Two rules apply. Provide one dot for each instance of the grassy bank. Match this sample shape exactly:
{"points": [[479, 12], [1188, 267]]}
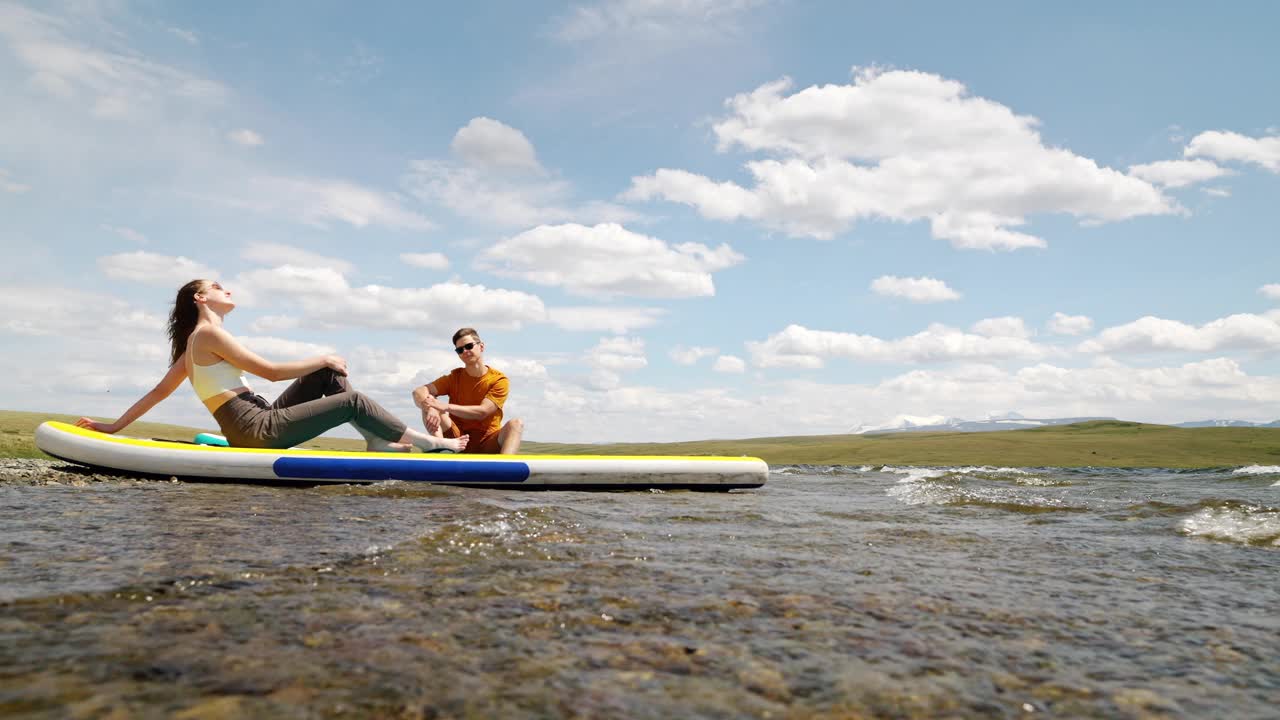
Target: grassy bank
{"points": [[1100, 443]]}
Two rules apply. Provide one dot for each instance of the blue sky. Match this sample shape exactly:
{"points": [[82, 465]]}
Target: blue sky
{"points": [[669, 219]]}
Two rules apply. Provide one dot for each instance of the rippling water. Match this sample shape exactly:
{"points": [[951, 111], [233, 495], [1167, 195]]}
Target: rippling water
{"points": [[872, 591]]}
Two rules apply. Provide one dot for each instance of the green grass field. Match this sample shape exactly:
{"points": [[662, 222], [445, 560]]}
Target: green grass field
{"points": [[1099, 443]]}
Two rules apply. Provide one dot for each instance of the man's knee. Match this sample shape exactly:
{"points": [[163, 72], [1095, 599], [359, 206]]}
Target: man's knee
{"points": [[514, 425]]}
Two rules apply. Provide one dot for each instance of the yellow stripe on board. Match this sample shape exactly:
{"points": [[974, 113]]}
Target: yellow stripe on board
{"points": [[451, 457]]}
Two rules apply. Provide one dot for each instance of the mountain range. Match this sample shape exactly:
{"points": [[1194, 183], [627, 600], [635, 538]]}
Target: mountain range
{"points": [[1010, 421]]}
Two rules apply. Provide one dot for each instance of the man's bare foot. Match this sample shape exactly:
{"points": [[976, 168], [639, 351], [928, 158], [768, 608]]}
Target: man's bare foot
{"points": [[455, 444]]}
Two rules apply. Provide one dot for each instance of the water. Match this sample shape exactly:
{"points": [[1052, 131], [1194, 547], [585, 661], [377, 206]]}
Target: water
{"points": [[860, 592]]}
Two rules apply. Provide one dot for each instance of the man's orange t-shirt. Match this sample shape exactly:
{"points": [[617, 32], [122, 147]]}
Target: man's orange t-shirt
{"points": [[463, 389]]}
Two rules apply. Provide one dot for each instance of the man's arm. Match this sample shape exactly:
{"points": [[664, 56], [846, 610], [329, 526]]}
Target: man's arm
{"points": [[486, 408]]}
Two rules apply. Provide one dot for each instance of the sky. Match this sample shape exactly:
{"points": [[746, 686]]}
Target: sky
{"points": [[668, 219]]}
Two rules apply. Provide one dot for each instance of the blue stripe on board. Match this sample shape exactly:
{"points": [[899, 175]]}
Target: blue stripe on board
{"points": [[401, 469]]}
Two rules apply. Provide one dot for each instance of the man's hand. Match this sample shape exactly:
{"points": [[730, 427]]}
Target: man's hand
{"points": [[432, 402], [432, 421]]}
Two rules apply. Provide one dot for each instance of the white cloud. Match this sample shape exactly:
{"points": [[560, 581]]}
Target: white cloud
{"points": [[617, 354], [488, 144], [62, 312], [1178, 173], [1012, 327], [274, 348], [729, 364], [11, 186], [276, 254], [320, 202], [1217, 191], [499, 181], [798, 346], [480, 194], [608, 260], [326, 300], [921, 289], [108, 84], [1271, 291], [274, 323], [427, 261], [245, 137], [596, 318], [1230, 146], [1064, 324], [668, 21], [690, 355], [903, 146], [187, 36], [129, 234], [154, 269], [1153, 334]]}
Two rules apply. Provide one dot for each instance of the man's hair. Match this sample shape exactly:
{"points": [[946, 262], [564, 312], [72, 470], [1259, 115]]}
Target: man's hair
{"points": [[463, 332]]}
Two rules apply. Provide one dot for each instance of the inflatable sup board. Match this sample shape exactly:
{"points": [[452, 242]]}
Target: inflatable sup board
{"points": [[533, 472]]}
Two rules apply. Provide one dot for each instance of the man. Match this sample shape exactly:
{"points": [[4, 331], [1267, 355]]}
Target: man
{"points": [[476, 394]]}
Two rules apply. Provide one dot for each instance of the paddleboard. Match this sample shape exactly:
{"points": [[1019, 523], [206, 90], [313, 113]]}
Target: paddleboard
{"points": [[295, 466]]}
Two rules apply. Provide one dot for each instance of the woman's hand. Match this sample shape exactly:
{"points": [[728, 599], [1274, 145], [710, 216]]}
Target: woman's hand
{"points": [[336, 363], [91, 424]]}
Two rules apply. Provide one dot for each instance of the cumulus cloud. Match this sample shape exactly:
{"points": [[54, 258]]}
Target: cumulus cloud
{"points": [[905, 146], [1234, 147], [498, 180], [1152, 334], [154, 269], [1270, 291], [245, 137], [729, 364], [618, 354], [596, 318], [1012, 327], [798, 346], [277, 254], [1064, 324], [690, 355], [427, 261], [921, 289], [1178, 173], [608, 260], [326, 300], [43, 311], [489, 144]]}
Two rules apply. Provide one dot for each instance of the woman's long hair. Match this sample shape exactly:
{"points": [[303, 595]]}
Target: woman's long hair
{"points": [[183, 317]]}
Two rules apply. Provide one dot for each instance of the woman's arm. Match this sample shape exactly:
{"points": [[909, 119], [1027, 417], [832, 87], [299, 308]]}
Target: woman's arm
{"points": [[221, 343], [170, 382]]}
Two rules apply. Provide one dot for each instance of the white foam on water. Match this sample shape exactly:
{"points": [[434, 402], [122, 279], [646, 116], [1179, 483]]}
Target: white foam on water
{"points": [[1249, 524], [1257, 470]]}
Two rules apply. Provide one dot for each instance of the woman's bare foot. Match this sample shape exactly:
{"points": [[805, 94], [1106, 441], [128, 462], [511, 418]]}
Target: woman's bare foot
{"points": [[380, 445]]}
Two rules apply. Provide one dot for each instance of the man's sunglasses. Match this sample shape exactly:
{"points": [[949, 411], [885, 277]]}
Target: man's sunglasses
{"points": [[463, 348]]}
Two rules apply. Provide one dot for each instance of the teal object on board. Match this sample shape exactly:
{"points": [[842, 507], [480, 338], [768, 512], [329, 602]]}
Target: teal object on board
{"points": [[211, 439]]}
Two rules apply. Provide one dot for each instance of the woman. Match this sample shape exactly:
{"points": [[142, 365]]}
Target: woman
{"points": [[319, 399]]}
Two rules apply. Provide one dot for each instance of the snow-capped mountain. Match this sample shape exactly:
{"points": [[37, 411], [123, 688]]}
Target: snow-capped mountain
{"points": [[942, 423], [1226, 423]]}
